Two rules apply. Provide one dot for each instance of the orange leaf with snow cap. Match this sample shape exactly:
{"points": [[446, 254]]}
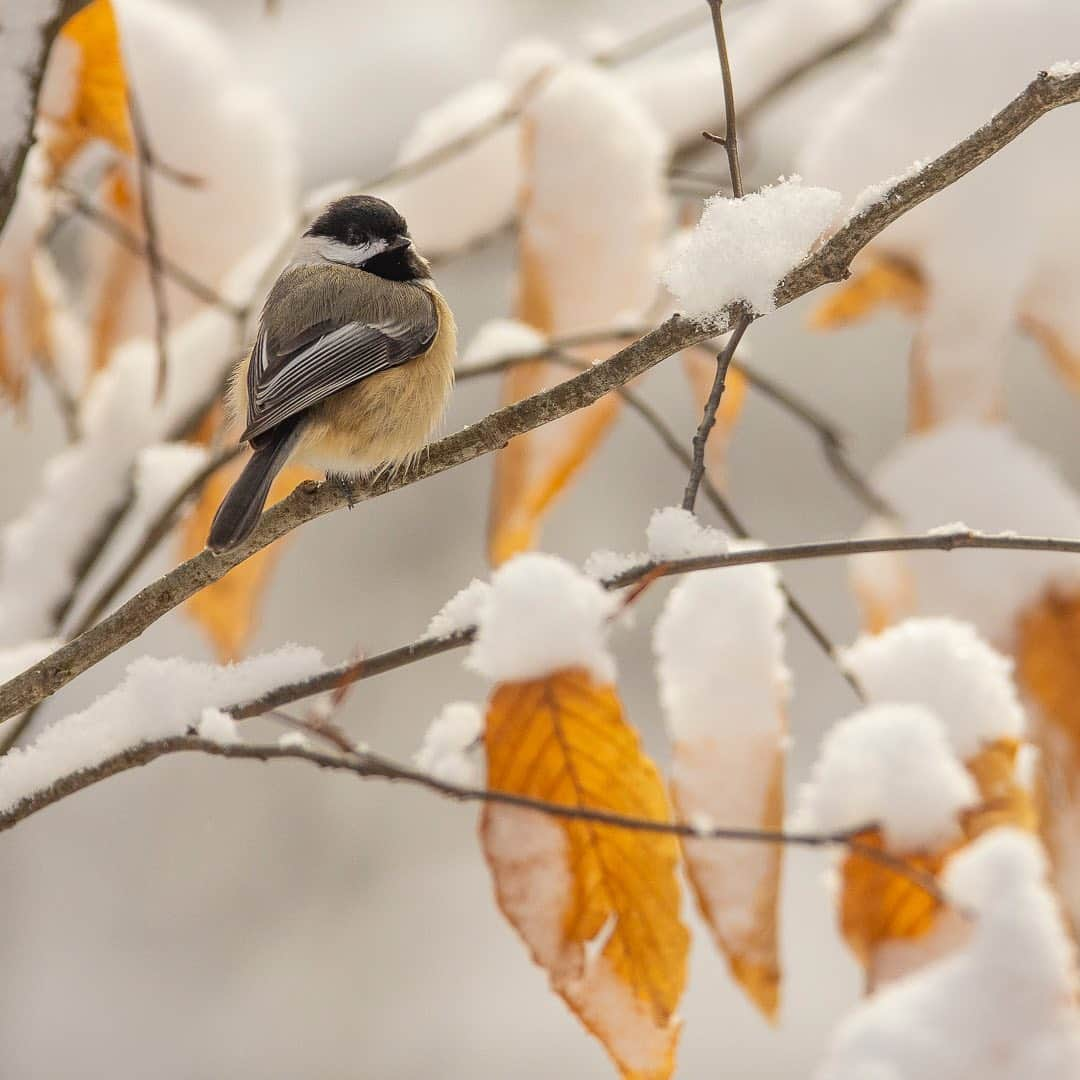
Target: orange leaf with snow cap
{"points": [[942, 667], [597, 906], [728, 726], [592, 218]]}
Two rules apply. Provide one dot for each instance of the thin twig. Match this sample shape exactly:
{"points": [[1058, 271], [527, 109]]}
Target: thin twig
{"points": [[718, 501], [66, 405], [708, 418], [367, 765], [423, 648], [730, 143], [119, 231], [156, 531], [829, 263], [833, 440], [144, 157]]}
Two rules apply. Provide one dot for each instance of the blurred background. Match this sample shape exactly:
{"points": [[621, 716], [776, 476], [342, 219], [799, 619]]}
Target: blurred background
{"points": [[204, 919]]}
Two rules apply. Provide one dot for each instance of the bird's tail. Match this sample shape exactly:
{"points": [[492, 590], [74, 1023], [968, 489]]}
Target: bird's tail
{"points": [[241, 508]]}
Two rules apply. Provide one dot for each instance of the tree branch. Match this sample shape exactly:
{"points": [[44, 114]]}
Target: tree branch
{"points": [[828, 264], [367, 765], [380, 663], [730, 143]]}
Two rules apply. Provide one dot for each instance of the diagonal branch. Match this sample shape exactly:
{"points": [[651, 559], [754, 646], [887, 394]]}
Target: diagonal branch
{"points": [[828, 264], [367, 765], [422, 649]]}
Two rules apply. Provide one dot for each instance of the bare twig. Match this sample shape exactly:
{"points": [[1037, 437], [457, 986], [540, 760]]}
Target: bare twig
{"points": [[119, 231], [155, 533], [381, 663], [144, 158], [708, 418], [712, 493], [730, 143], [367, 765], [828, 264], [833, 440]]}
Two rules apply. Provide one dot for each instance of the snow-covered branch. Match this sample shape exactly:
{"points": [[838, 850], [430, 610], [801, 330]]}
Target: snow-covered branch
{"points": [[214, 735], [828, 264]]}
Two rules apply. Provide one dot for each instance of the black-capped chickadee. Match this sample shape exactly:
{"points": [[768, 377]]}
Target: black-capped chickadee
{"points": [[353, 362]]}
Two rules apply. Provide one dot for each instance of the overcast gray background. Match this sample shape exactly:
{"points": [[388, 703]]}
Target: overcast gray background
{"points": [[206, 919]]}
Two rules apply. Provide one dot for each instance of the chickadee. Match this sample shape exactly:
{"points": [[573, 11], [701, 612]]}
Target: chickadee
{"points": [[353, 362]]}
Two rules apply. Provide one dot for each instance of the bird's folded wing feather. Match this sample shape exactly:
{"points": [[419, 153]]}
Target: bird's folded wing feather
{"points": [[289, 373]]}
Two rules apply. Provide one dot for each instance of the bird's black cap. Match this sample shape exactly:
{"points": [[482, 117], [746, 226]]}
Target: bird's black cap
{"points": [[356, 219]]}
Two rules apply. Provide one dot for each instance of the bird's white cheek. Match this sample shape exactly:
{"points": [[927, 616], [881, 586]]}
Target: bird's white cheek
{"points": [[352, 254]]}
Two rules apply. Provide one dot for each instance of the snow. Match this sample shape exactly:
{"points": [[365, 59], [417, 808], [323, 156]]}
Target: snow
{"points": [[889, 765], [542, 615], [674, 533], [217, 726], [160, 472], [605, 564], [461, 611], [1001, 1007], [720, 655], [451, 750], [1063, 69], [475, 191], [742, 248], [294, 740], [724, 689], [157, 699], [498, 339], [949, 67], [945, 666], [986, 476], [595, 182], [207, 118], [18, 658], [40, 549], [20, 44]]}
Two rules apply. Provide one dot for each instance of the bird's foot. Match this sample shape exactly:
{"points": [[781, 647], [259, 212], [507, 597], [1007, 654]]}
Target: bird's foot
{"points": [[344, 484]]}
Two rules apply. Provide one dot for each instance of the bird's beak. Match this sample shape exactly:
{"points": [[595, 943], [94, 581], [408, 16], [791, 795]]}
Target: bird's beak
{"points": [[398, 243]]}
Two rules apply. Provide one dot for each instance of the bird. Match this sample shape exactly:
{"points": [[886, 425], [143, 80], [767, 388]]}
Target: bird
{"points": [[353, 360]]}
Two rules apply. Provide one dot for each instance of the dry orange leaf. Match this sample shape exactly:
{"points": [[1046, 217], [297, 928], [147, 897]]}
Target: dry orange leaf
{"points": [[227, 609], [581, 266], [598, 907], [97, 107], [892, 924], [533, 469], [880, 280], [878, 904], [1048, 671], [743, 921]]}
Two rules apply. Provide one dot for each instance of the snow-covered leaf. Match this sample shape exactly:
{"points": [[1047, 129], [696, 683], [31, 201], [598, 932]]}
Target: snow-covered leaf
{"points": [[999, 250], [724, 688], [593, 212]]}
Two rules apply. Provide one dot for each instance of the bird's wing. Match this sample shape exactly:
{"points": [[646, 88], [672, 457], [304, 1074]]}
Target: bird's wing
{"points": [[290, 373]]}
